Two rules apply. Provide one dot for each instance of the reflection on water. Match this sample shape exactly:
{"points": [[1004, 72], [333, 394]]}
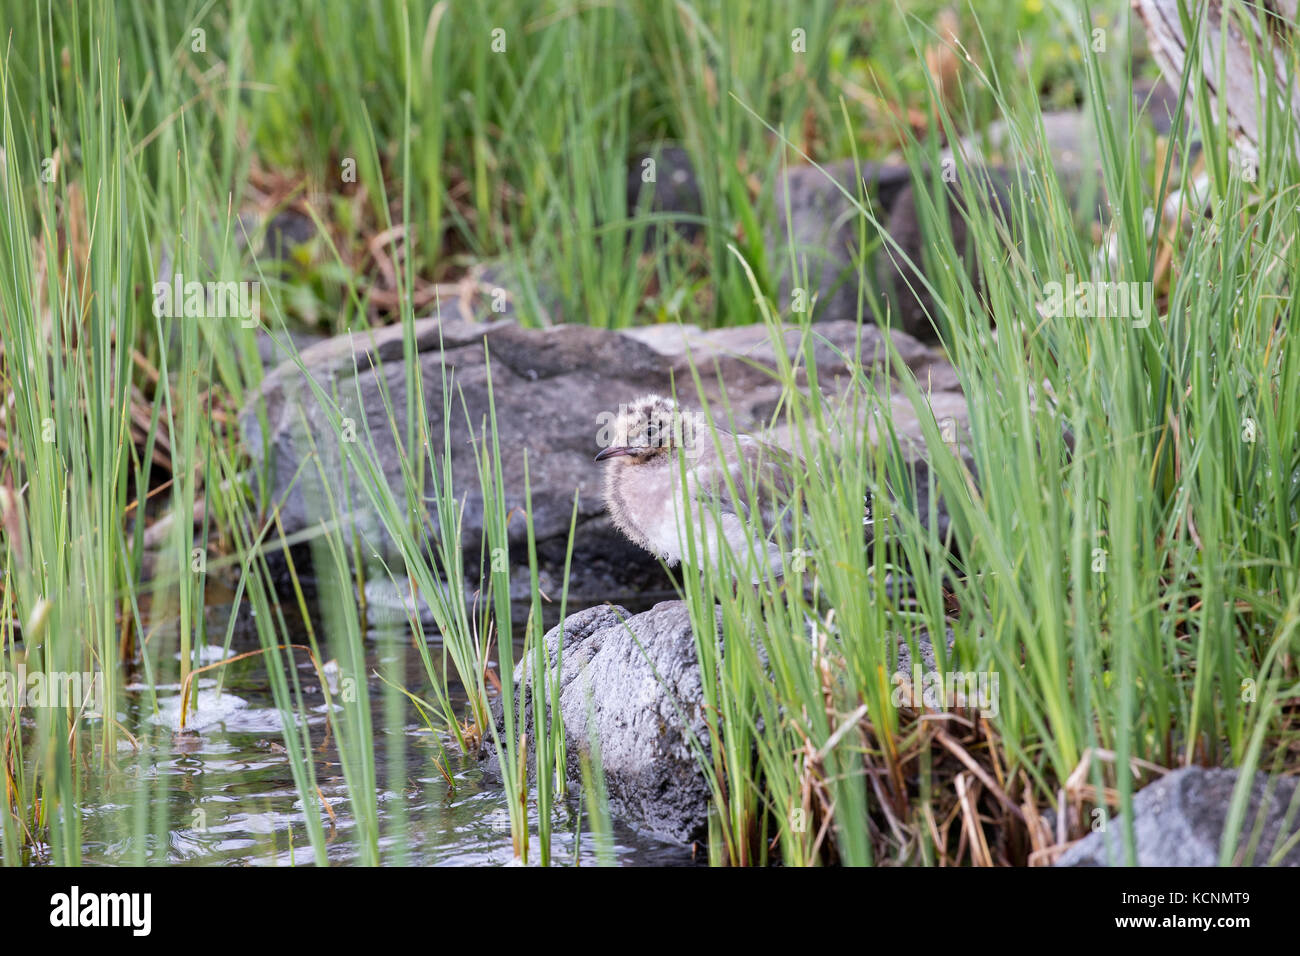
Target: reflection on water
{"points": [[223, 791]]}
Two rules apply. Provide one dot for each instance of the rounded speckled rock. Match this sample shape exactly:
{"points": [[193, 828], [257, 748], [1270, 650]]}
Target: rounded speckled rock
{"points": [[629, 683]]}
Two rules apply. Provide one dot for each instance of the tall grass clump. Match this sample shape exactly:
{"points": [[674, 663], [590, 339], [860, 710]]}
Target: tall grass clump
{"points": [[1121, 557], [1139, 567], [121, 126], [471, 613], [103, 393]]}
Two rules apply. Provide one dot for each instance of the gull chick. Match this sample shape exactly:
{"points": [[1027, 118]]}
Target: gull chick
{"points": [[643, 486]]}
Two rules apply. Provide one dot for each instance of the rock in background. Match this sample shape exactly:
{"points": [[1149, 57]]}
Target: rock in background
{"points": [[822, 228], [912, 304], [674, 194]]}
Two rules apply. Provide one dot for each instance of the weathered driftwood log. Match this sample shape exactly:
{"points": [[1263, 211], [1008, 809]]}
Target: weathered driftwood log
{"points": [[1245, 54]]}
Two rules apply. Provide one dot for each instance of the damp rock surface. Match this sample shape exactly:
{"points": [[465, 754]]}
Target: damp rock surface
{"points": [[630, 694]]}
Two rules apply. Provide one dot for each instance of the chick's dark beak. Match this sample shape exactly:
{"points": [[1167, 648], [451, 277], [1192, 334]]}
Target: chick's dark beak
{"points": [[613, 451]]}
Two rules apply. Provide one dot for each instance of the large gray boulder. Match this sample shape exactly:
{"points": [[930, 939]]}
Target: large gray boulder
{"points": [[1179, 821], [551, 387], [630, 685]]}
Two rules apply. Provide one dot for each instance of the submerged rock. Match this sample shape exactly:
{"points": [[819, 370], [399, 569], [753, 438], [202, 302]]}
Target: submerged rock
{"points": [[630, 690], [1179, 821], [213, 709]]}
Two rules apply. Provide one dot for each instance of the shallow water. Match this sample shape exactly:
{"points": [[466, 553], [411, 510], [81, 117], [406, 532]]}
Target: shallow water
{"points": [[223, 791]]}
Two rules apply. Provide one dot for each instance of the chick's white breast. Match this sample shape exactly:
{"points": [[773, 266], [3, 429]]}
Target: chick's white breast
{"points": [[648, 508]]}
